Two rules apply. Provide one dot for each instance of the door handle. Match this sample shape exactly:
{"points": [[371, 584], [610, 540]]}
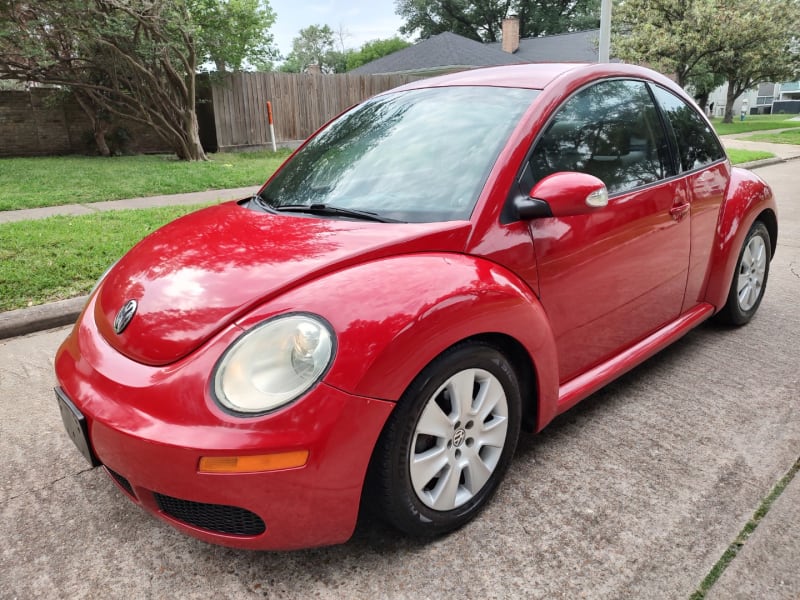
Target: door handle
{"points": [[679, 211]]}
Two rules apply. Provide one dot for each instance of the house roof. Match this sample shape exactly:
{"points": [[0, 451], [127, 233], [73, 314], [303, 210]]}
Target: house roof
{"points": [[451, 52], [445, 51], [579, 46]]}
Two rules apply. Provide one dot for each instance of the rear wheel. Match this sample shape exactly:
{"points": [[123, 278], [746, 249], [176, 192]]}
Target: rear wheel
{"points": [[448, 442], [749, 279]]}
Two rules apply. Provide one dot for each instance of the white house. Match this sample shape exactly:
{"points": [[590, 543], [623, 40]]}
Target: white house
{"points": [[766, 98]]}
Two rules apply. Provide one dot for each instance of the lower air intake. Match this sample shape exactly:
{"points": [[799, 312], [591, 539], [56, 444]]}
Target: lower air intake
{"points": [[217, 518], [124, 483]]}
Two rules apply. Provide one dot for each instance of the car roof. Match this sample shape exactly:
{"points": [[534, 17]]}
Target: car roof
{"points": [[535, 76]]}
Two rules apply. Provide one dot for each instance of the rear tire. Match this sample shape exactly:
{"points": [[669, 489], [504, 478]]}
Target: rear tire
{"points": [[749, 278], [448, 442]]}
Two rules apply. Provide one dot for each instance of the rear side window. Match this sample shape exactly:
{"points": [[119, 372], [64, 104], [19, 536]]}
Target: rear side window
{"points": [[697, 144], [610, 130]]}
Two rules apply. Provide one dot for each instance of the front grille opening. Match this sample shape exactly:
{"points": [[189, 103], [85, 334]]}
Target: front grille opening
{"points": [[124, 483], [217, 518]]}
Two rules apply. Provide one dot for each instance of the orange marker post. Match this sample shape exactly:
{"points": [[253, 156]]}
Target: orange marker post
{"points": [[271, 126]]}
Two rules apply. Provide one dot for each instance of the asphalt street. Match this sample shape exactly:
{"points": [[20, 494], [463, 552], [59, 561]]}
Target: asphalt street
{"points": [[635, 493]]}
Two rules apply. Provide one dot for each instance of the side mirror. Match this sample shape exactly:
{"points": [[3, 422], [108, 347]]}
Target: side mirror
{"points": [[566, 194]]}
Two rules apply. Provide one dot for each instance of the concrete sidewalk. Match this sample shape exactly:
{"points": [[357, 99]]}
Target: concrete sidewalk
{"points": [[207, 196], [781, 151]]}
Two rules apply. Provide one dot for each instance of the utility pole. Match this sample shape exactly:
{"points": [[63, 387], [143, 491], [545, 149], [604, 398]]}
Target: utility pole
{"points": [[605, 31]]}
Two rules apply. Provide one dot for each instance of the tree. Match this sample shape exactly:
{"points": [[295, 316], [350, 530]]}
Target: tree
{"points": [[235, 33], [374, 50], [671, 36], [745, 42], [765, 48], [133, 59], [320, 45], [481, 20], [313, 46]]}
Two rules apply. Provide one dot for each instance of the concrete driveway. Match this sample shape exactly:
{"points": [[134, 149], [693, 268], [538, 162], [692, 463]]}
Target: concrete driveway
{"points": [[635, 493]]}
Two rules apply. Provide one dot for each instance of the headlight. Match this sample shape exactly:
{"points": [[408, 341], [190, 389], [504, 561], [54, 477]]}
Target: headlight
{"points": [[273, 363]]}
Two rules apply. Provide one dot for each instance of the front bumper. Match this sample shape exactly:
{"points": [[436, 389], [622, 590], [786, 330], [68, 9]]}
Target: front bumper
{"points": [[149, 427]]}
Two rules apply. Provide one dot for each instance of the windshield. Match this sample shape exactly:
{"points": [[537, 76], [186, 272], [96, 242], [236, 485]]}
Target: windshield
{"points": [[415, 156]]}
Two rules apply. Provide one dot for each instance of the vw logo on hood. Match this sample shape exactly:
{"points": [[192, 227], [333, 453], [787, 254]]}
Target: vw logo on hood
{"points": [[125, 315]]}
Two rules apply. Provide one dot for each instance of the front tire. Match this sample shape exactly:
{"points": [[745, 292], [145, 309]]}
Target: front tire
{"points": [[749, 279], [448, 443]]}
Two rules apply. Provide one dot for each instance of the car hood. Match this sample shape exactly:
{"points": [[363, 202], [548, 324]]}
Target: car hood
{"points": [[200, 273]]}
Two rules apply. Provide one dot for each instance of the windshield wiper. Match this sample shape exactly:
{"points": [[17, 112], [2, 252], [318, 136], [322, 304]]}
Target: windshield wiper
{"points": [[263, 201], [337, 211]]}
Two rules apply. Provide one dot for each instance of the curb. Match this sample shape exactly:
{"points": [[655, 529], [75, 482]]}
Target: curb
{"points": [[764, 162], [22, 321]]}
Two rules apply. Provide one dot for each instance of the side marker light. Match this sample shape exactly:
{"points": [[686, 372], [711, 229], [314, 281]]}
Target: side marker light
{"points": [[254, 463]]}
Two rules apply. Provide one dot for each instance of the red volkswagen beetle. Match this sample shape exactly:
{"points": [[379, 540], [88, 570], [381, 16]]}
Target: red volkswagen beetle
{"points": [[435, 270]]}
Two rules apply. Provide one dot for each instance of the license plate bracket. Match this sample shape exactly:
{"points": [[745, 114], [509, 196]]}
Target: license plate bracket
{"points": [[76, 426]]}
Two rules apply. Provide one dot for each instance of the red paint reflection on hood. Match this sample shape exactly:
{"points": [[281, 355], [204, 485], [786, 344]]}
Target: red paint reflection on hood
{"points": [[196, 275]]}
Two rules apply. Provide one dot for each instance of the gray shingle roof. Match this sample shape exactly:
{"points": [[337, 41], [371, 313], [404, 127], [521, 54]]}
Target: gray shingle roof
{"points": [[580, 46], [440, 52]]}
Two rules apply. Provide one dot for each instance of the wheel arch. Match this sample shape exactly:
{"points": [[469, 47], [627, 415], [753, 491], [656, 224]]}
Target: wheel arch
{"points": [[508, 317], [525, 370], [770, 220], [748, 199]]}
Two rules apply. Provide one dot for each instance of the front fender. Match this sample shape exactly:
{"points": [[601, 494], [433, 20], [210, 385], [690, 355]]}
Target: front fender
{"points": [[393, 316], [748, 198]]}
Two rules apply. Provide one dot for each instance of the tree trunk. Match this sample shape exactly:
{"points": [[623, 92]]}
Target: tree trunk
{"points": [[702, 100], [100, 128], [681, 76], [190, 147], [730, 98], [191, 128], [100, 124], [195, 146]]}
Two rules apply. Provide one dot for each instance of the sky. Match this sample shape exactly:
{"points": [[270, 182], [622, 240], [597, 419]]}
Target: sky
{"points": [[362, 20]]}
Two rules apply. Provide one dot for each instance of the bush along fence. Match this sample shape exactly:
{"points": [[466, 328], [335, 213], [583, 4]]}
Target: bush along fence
{"points": [[44, 121]]}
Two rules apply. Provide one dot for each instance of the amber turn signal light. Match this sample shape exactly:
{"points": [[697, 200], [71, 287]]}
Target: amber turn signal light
{"points": [[253, 464]]}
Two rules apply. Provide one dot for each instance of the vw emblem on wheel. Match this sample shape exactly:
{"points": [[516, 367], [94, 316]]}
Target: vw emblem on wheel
{"points": [[458, 437], [125, 315]]}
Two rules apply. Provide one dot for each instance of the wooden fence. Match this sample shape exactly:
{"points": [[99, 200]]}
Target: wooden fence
{"points": [[232, 114], [301, 103]]}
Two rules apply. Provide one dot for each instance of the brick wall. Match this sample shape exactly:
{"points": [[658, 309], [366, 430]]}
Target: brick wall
{"points": [[35, 123]]}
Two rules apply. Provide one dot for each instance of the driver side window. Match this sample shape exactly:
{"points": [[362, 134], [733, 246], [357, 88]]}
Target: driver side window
{"points": [[610, 130]]}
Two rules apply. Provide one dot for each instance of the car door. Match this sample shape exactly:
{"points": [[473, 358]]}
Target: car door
{"points": [[611, 276], [701, 160]]}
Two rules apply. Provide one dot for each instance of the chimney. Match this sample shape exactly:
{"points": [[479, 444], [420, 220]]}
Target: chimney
{"points": [[314, 69], [511, 34]]}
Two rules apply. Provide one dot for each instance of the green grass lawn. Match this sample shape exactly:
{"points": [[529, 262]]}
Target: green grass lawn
{"points": [[52, 181], [743, 156], [61, 257], [754, 123], [784, 137]]}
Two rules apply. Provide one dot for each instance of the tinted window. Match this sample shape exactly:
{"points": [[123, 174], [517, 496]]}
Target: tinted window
{"points": [[610, 130], [420, 155], [697, 144]]}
